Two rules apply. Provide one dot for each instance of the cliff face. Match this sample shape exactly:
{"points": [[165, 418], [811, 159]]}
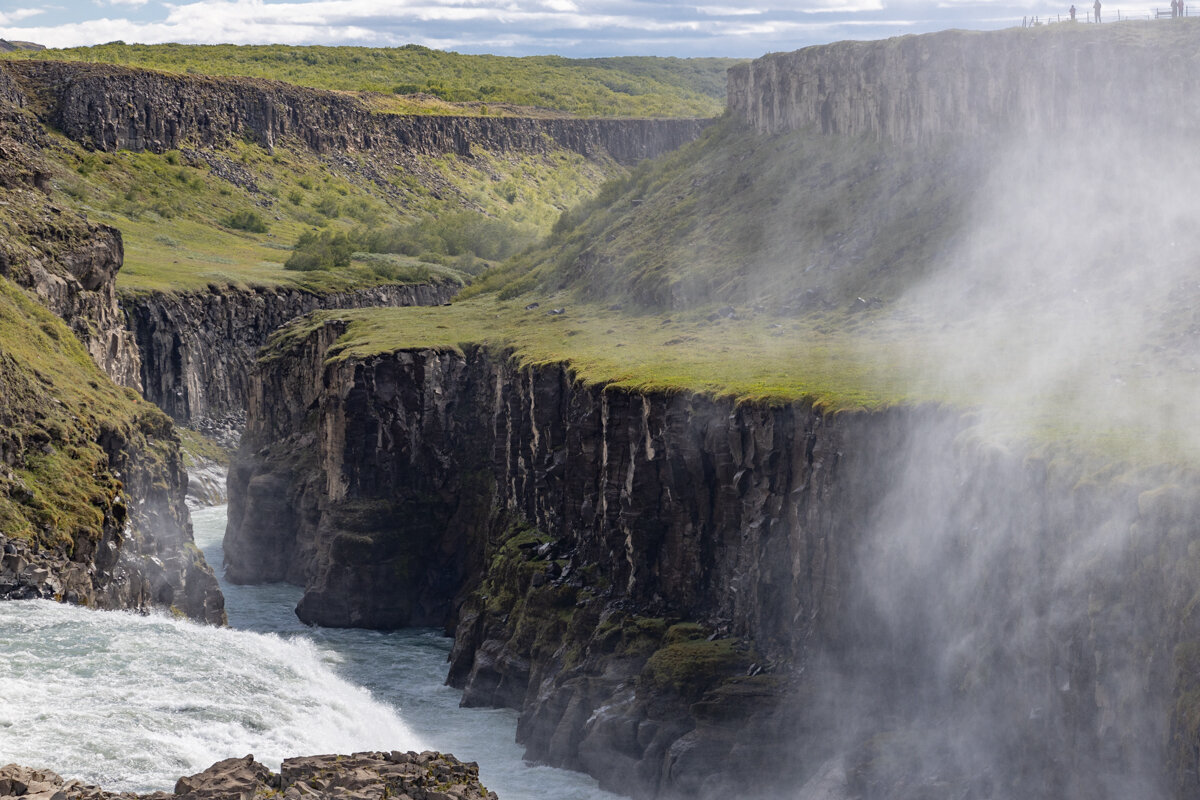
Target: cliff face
{"points": [[91, 480], [978, 84], [113, 108], [70, 263], [130, 544], [197, 348], [689, 597]]}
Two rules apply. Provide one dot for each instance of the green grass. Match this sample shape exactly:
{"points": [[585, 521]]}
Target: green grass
{"points": [[736, 217], [416, 79], [837, 361], [185, 226], [56, 403]]}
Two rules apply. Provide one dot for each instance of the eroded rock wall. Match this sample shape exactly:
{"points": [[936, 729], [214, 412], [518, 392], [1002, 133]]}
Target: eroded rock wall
{"points": [[67, 261], [1092, 79], [112, 108], [688, 597], [197, 347]]}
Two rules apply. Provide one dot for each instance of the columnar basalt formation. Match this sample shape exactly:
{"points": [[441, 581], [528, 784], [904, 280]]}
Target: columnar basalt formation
{"points": [[137, 552], [675, 591], [964, 83], [197, 347], [113, 108]]}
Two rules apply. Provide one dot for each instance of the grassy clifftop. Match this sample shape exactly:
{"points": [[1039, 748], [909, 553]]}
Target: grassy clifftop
{"points": [[417, 79], [1044, 280]]}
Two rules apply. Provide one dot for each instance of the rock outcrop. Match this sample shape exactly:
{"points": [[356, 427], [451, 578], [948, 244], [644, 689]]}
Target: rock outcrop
{"points": [[68, 262], [688, 597], [361, 776], [128, 543], [197, 347], [976, 84], [111, 108]]}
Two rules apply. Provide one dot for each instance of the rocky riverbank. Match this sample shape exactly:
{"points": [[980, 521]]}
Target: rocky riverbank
{"points": [[361, 776]]}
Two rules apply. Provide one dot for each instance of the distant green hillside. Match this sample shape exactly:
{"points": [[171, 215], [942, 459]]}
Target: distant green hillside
{"points": [[232, 214], [624, 87], [741, 218]]}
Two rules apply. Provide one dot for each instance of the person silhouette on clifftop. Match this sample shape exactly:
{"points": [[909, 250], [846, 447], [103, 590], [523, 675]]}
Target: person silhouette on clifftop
{"points": [[1096, 8], [1072, 13]]}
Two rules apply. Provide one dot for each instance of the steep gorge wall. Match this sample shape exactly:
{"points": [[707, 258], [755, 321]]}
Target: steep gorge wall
{"points": [[197, 347], [1051, 79], [691, 597], [132, 547], [67, 261], [113, 108]]}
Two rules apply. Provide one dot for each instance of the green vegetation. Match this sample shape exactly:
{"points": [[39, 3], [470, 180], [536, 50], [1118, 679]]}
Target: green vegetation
{"points": [[236, 213], [689, 663], [631, 86], [246, 221], [57, 405], [320, 250], [740, 218]]}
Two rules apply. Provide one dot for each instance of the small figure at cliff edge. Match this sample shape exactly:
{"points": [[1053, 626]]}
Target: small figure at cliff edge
{"points": [[1072, 13], [1096, 9]]}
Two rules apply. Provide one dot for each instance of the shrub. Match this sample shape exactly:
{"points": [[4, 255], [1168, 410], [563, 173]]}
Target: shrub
{"points": [[320, 250], [246, 221]]}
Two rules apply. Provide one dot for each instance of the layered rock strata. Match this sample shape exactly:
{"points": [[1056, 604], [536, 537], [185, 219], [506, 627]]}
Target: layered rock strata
{"points": [[979, 84], [197, 347], [685, 596], [111, 108], [361, 776], [68, 262]]}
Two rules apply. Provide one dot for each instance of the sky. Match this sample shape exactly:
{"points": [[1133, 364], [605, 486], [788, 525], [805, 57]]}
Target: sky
{"points": [[576, 28]]}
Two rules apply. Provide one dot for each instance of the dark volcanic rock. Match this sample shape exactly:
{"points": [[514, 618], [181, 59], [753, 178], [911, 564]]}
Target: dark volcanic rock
{"points": [[197, 347], [688, 597], [69, 263], [970, 83], [361, 776], [113, 108]]}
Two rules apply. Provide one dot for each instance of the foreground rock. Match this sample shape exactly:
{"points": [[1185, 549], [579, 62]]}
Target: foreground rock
{"points": [[361, 776]]}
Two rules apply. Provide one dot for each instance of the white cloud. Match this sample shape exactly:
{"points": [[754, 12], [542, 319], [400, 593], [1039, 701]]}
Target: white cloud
{"points": [[729, 11], [569, 27], [18, 14]]}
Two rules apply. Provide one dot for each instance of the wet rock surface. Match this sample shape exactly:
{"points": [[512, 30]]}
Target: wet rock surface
{"points": [[361, 776], [691, 597]]}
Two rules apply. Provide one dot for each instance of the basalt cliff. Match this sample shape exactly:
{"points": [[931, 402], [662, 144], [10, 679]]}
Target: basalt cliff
{"points": [[114, 107], [188, 351], [1060, 78], [93, 483], [688, 595], [675, 591], [197, 348]]}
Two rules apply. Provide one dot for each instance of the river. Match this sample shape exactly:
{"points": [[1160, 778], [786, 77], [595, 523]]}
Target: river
{"points": [[132, 702]]}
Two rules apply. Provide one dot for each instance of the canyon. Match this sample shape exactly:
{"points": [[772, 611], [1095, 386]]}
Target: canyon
{"points": [[682, 592], [668, 587]]}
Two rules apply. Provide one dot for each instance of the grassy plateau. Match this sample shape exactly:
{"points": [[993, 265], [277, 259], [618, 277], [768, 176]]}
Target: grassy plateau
{"points": [[415, 79]]}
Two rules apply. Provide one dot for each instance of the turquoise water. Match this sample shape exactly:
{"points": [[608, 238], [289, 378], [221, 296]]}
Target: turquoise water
{"points": [[132, 702]]}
